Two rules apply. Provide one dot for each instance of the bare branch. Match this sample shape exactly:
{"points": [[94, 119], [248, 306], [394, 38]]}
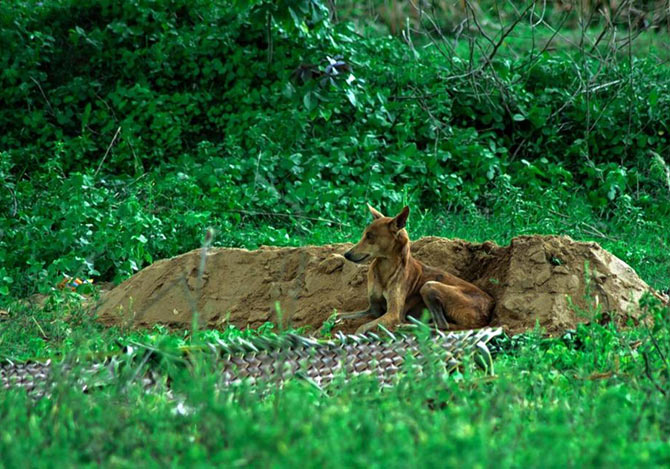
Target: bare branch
{"points": [[53, 113], [107, 152], [508, 31], [285, 215], [647, 371]]}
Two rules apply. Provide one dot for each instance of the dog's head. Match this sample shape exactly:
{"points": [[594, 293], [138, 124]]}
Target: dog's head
{"points": [[384, 237]]}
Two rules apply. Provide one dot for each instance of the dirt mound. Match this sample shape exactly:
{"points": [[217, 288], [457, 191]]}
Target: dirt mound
{"points": [[532, 280]]}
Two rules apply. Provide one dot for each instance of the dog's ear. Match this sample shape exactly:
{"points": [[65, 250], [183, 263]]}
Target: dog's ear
{"points": [[374, 212], [400, 220]]}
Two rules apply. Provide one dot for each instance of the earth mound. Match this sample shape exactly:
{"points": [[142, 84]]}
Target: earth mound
{"points": [[539, 279]]}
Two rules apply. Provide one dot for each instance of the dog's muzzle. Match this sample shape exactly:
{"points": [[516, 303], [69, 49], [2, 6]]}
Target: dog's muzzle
{"points": [[355, 258]]}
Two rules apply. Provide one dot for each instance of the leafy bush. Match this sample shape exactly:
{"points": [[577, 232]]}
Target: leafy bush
{"points": [[146, 121]]}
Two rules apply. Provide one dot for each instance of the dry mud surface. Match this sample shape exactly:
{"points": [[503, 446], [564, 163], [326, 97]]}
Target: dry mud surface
{"points": [[532, 280]]}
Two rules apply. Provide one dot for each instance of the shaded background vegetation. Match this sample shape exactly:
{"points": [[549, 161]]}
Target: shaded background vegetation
{"points": [[128, 128]]}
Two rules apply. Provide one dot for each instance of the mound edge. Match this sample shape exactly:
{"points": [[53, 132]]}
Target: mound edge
{"points": [[536, 279]]}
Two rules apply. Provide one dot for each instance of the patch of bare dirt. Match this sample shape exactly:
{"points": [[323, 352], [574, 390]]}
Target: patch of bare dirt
{"points": [[534, 279]]}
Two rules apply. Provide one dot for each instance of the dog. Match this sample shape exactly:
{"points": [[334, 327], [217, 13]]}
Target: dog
{"points": [[399, 285]]}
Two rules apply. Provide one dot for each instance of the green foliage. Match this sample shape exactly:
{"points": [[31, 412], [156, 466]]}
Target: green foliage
{"points": [[595, 397], [130, 128], [170, 74], [149, 121]]}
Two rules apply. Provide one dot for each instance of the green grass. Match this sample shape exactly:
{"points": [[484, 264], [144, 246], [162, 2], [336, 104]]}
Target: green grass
{"points": [[573, 142], [584, 399], [587, 398]]}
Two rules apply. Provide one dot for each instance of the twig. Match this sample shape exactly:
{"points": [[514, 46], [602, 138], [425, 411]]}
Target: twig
{"points": [[595, 376], [532, 61], [585, 228], [509, 30], [333, 11], [610, 23], [479, 28], [130, 184], [647, 372], [658, 349], [422, 103], [44, 334], [631, 92], [111, 110], [107, 152], [595, 230], [269, 36], [258, 168], [15, 204], [138, 162], [604, 107], [604, 85], [584, 25], [566, 103], [569, 41], [449, 53], [209, 238], [544, 10], [488, 56], [562, 215], [53, 113], [285, 215], [415, 96], [144, 361], [606, 28]]}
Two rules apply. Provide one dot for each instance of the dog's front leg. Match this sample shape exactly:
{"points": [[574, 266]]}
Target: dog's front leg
{"points": [[390, 319], [377, 308], [377, 305]]}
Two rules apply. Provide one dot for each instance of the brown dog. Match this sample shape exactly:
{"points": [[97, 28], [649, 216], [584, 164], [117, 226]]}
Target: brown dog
{"points": [[399, 285]]}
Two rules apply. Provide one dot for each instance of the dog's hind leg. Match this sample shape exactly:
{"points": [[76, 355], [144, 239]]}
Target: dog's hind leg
{"points": [[450, 308], [435, 307]]}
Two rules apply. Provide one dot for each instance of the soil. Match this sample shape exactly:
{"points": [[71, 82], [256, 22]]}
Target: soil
{"points": [[536, 279]]}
